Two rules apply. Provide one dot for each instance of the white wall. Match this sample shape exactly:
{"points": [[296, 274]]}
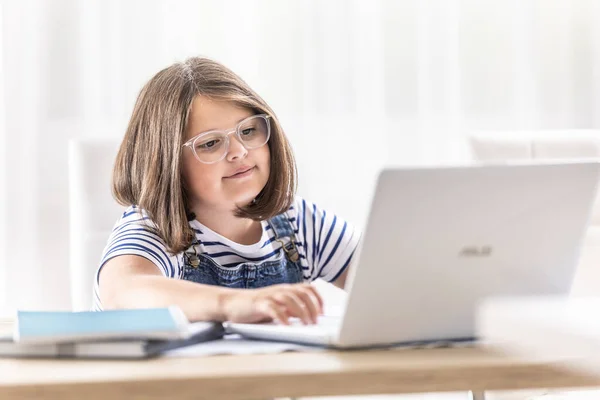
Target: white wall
{"points": [[357, 84], [3, 174]]}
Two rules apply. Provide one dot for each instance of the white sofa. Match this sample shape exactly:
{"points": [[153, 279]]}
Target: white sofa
{"points": [[498, 146], [93, 210]]}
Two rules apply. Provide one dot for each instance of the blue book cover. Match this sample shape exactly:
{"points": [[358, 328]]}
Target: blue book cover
{"points": [[58, 326]]}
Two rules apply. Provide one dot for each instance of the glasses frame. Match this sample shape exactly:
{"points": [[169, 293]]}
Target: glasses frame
{"points": [[191, 143]]}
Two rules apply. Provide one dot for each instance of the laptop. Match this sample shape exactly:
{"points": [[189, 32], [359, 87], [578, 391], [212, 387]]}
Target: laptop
{"points": [[439, 240]]}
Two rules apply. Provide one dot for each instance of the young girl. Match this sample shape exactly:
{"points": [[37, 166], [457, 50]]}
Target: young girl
{"points": [[213, 224]]}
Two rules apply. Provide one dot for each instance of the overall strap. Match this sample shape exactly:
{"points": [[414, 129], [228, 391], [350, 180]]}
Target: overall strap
{"points": [[283, 228]]}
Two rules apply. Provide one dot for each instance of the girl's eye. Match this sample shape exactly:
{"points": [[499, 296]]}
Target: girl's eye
{"points": [[208, 144], [248, 131]]}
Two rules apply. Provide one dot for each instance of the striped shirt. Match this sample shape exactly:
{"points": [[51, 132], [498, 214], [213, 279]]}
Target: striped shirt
{"points": [[325, 243]]}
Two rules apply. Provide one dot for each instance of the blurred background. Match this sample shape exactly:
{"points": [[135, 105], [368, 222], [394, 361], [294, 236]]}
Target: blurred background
{"points": [[356, 84]]}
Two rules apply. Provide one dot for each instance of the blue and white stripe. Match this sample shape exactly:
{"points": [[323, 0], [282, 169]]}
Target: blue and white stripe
{"points": [[325, 243]]}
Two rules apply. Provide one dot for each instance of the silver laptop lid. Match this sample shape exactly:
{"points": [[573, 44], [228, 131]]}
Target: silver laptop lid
{"points": [[440, 239]]}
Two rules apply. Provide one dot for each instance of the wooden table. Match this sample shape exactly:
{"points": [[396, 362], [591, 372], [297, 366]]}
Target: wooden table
{"points": [[557, 328], [281, 375]]}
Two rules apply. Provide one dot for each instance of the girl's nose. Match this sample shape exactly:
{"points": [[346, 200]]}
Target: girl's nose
{"points": [[236, 149]]}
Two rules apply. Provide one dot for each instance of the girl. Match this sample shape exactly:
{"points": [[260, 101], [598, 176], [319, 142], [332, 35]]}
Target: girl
{"points": [[213, 224]]}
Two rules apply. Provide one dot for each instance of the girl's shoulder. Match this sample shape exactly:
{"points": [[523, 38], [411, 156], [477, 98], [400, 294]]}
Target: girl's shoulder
{"points": [[297, 208], [134, 215], [300, 207]]}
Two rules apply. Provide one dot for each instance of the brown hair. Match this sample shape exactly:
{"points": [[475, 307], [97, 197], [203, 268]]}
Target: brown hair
{"points": [[147, 170]]}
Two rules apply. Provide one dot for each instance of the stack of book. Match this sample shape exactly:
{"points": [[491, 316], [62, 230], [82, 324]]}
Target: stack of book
{"points": [[134, 333]]}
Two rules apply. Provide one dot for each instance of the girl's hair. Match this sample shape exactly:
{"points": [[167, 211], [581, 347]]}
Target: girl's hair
{"points": [[148, 171]]}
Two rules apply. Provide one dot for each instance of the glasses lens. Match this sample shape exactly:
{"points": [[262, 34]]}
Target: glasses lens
{"points": [[211, 148], [254, 132]]}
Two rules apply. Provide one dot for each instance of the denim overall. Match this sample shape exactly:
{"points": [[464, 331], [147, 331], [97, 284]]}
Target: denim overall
{"points": [[286, 268]]}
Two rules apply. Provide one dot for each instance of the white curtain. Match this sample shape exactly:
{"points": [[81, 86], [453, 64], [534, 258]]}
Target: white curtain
{"points": [[356, 84]]}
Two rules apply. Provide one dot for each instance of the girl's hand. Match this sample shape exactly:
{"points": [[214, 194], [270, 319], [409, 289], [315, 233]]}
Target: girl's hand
{"points": [[274, 303]]}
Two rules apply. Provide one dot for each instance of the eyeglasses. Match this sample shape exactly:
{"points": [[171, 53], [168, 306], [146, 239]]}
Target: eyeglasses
{"points": [[212, 146]]}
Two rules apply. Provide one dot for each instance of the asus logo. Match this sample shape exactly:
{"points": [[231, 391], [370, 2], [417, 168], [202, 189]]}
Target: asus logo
{"points": [[476, 251]]}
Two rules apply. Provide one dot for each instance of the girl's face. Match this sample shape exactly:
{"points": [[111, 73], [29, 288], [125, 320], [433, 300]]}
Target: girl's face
{"points": [[224, 185]]}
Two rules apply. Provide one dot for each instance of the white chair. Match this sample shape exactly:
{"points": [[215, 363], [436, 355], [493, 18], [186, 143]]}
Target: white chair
{"points": [[92, 212], [498, 146]]}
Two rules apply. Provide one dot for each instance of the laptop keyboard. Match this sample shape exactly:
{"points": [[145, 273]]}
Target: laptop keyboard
{"points": [[323, 321]]}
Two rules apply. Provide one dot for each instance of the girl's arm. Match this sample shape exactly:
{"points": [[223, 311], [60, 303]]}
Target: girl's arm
{"points": [[130, 281], [340, 282]]}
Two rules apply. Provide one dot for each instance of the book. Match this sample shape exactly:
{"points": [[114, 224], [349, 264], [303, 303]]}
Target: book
{"points": [[50, 327], [117, 348]]}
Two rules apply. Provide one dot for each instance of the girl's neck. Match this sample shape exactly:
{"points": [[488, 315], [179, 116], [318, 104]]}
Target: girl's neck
{"points": [[239, 230]]}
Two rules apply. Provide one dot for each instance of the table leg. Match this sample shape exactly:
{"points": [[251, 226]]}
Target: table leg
{"points": [[476, 395]]}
